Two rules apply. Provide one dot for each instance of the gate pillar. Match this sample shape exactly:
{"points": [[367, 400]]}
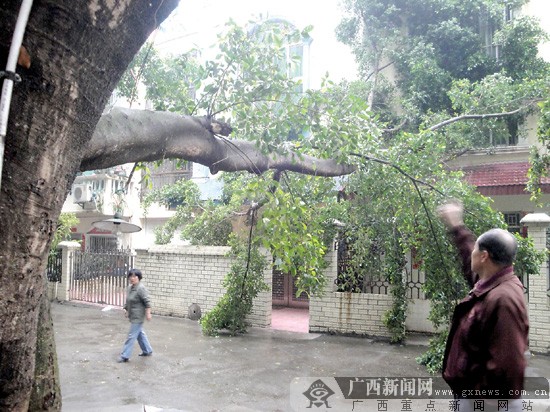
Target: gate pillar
{"points": [[67, 249], [539, 287]]}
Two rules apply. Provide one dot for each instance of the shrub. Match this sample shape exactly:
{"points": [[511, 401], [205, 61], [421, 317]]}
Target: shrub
{"points": [[243, 283]]}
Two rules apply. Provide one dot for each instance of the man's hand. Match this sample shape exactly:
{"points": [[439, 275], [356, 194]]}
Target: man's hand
{"points": [[451, 214]]}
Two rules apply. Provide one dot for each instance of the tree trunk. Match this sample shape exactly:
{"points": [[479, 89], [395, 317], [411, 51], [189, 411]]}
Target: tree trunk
{"points": [[78, 51], [46, 392]]}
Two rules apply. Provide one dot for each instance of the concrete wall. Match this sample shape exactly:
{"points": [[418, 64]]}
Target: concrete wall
{"points": [[179, 276], [360, 313], [344, 312], [539, 300], [417, 316], [350, 313]]}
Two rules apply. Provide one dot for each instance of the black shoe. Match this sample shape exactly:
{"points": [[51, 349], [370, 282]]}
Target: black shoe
{"points": [[145, 354], [122, 360]]}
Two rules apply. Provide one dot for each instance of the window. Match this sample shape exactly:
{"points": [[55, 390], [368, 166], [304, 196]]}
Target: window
{"points": [[101, 243], [294, 63], [510, 13], [169, 172], [487, 30], [512, 219], [488, 26]]}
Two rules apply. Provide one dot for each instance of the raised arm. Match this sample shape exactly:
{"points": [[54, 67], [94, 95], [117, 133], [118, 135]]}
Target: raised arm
{"points": [[451, 214]]}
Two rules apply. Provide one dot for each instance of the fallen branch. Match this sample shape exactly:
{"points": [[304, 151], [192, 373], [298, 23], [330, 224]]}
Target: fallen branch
{"points": [[127, 136]]}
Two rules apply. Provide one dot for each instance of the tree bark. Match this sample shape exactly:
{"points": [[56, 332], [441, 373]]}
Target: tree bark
{"points": [[127, 135], [46, 392], [78, 50]]}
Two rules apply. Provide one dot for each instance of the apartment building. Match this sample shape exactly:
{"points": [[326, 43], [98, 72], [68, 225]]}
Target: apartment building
{"points": [[500, 171]]}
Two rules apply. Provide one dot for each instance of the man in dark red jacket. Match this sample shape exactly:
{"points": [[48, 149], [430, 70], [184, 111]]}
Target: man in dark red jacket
{"points": [[485, 352]]}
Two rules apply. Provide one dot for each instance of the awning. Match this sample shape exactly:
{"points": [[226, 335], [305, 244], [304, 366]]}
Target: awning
{"points": [[501, 178]]}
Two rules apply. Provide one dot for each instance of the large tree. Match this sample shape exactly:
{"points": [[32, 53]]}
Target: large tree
{"points": [[78, 51]]}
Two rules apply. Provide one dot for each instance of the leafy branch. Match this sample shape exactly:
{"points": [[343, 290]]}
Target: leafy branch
{"points": [[481, 116]]}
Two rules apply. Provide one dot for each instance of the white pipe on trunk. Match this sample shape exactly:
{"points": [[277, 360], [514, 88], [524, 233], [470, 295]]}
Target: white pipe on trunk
{"points": [[7, 88]]}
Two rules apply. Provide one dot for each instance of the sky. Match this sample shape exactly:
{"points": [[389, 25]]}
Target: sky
{"points": [[197, 22], [541, 10]]}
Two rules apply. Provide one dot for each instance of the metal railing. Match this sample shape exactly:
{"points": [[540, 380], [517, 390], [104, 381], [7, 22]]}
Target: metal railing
{"points": [[53, 268], [100, 277]]}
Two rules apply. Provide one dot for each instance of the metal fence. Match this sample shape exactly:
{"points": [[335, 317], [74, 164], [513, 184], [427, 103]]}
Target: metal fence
{"points": [[100, 277], [53, 269], [373, 280], [370, 281]]}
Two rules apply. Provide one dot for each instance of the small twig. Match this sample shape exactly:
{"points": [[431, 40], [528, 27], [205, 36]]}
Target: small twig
{"points": [[223, 109], [385, 162], [480, 116], [222, 83], [438, 247], [127, 185], [378, 70]]}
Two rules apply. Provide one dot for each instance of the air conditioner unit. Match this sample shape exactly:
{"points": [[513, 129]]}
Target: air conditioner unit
{"points": [[82, 193]]}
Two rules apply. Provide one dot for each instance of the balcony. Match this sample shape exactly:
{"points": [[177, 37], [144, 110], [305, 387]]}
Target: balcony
{"points": [[101, 193]]}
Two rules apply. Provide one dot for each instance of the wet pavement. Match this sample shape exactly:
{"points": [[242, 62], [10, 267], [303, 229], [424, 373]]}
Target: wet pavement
{"points": [[262, 370]]}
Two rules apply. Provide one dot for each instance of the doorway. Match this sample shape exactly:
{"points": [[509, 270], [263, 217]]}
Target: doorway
{"points": [[289, 312], [284, 292]]}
